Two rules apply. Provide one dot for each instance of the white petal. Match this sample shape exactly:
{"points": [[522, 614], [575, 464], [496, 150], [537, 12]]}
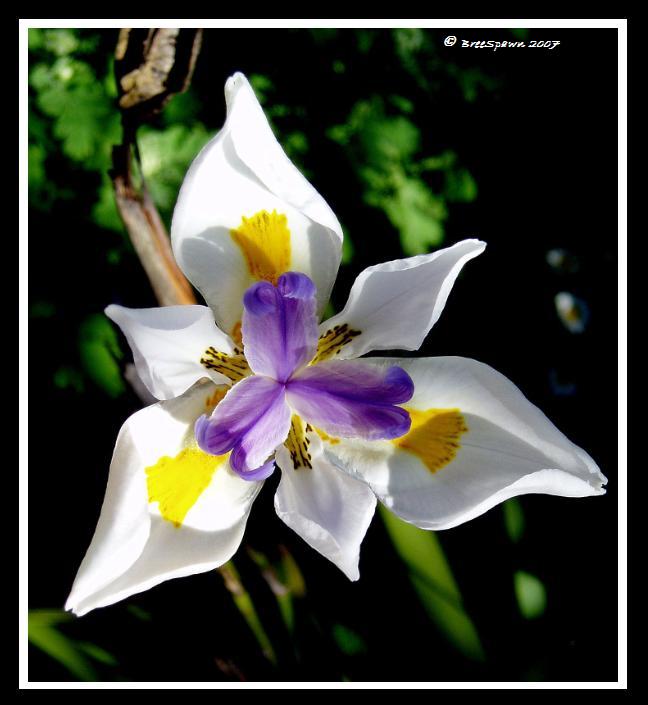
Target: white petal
{"points": [[329, 509], [167, 344], [241, 172], [257, 147], [134, 548], [510, 448], [393, 305]]}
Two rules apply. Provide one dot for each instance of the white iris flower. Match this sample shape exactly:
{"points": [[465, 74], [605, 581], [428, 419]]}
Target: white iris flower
{"points": [[252, 380]]}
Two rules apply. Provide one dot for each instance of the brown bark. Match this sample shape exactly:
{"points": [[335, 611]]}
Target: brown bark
{"points": [[150, 67]]}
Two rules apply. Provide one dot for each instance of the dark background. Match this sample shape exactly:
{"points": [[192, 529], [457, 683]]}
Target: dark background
{"points": [[538, 136]]}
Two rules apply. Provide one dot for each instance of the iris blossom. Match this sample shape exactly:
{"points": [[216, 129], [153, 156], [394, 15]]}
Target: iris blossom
{"points": [[253, 381]]}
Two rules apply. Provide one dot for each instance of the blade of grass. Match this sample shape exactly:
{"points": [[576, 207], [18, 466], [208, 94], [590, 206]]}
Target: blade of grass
{"points": [[43, 633], [279, 589], [245, 606], [433, 581]]}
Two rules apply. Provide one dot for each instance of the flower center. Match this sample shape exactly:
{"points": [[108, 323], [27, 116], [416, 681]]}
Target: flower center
{"points": [[287, 394]]}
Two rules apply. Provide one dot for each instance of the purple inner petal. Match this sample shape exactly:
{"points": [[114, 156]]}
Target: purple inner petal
{"points": [[260, 298], [251, 421], [294, 285], [280, 325], [260, 473], [352, 399]]}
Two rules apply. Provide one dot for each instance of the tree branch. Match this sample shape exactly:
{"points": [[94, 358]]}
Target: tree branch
{"points": [[150, 67]]}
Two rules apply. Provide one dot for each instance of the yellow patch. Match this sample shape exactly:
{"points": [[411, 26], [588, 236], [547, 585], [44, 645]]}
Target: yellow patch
{"points": [[331, 343], [265, 241], [176, 483], [433, 436], [297, 444], [325, 437], [234, 367]]}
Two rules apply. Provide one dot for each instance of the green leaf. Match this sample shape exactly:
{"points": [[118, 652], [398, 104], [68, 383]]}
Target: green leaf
{"points": [[389, 139], [35, 167], [513, 519], [431, 576], [291, 573], [295, 143], [35, 39], [383, 149], [348, 250], [460, 187], [61, 41], [262, 85], [67, 377], [42, 191], [245, 605], [47, 618], [84, 117], [348, 641], [418, 214], [99, 351], [97, 653], [104, 211], [166, 155], [139, 613], [403, 104], [530, 593], [182, 109], [43, 633], [279, 588]]}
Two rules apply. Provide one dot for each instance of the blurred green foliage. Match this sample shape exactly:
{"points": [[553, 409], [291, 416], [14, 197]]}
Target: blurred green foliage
{"points": [[432, 578], [513, 519], [530, 593], [100, 354], [45, 632], [348, 641], [71, 103], [165, 156], [419, 56], [245, 605], [383, 145]]}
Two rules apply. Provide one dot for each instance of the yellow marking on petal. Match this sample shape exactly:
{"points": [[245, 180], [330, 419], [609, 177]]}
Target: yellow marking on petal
{"points": [[325, 437], [265, 241], [297, 443], [234, 367], [433, 436], [176, 483], [331, 343]]}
